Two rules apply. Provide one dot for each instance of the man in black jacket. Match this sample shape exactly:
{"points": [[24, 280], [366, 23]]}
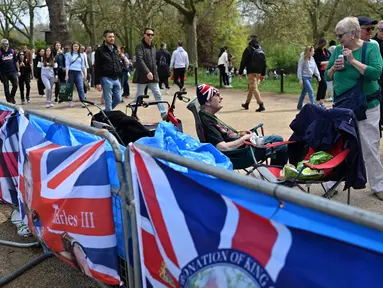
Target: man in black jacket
{"points": [[146, 69], [108, 71], [254, 60], [10, 71], [163, 66]]}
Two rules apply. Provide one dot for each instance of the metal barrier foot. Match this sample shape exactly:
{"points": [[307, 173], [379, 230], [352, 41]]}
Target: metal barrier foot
{"points": [[19, 244], [5, 280]]}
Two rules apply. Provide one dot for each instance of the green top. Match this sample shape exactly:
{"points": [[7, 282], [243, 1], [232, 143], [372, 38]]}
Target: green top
{"points": [[348, 77]]}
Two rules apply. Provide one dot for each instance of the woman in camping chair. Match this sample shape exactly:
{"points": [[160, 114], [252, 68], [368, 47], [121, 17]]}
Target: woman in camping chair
{"points": [[224, 137]]}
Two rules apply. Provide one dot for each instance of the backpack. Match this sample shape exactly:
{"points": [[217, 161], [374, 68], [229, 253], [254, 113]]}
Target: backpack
{"points": [[258, 58], [163, 61]]}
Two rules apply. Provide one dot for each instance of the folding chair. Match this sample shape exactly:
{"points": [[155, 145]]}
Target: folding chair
{"points": [[247, 158]]}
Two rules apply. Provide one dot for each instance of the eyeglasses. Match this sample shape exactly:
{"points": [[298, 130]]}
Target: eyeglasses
{"points": [[368, 29], [340, 36], [150, 34]]}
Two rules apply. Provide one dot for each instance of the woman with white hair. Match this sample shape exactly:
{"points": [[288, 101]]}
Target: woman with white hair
{"points": [[359, 81]]}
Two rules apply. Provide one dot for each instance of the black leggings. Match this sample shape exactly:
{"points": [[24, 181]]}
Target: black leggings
{"points": [[322, 87], [223, 75]]}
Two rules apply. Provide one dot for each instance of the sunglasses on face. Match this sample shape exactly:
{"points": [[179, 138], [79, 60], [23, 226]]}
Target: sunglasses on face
{"points": [[150, 34], [340, 36], [368, 29]]}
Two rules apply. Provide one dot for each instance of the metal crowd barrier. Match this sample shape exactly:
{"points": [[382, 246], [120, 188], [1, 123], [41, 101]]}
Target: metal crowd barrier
{"points": [[125, 270], [280, 192]]}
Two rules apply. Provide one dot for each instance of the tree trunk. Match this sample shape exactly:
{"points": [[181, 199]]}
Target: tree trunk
{"points": [[58, 21], [31, 26], [191, 32], [92, 36]]}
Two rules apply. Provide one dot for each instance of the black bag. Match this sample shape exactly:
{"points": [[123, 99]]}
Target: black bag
{"points": [[258, 58], [354, 98], [66, 92]]}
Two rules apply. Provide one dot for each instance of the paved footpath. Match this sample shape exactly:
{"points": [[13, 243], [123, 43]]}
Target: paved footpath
{"points": [[280, 111]]}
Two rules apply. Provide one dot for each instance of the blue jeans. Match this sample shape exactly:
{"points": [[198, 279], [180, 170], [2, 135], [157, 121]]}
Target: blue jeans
{"points": [[157, 95], [307, 88], [112, 92], [75, 77]]}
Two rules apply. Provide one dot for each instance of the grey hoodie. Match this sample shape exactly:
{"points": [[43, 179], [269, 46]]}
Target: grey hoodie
{"points": [[308, 68], [180, 59]]}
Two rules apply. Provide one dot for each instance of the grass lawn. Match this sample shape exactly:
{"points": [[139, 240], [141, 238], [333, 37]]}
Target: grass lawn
{"points": [[291, 84]]}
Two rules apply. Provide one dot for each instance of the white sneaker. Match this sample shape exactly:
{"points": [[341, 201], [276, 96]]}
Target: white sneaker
{"points": [[23, 231], [47, 105], [328, 99], [51, 105], [16, 218]]}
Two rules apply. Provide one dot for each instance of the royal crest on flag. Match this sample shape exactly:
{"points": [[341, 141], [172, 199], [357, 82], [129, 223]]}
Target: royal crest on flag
{"points": [[192, 236]]}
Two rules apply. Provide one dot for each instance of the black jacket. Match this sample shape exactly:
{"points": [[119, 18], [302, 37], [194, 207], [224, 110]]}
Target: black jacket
{"points": [[60, 60], [246, 61], [145, 63], [107, 63], [320, 129], [37, 71], [321, 55], [163, 71], [26, 70]]}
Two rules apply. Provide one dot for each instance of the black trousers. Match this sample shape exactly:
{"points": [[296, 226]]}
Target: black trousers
{"points": [[164, 80], [40, 87], [179, 75], [61, 76], [322, 87], [24, 81], [223, 75], [12, 77]]}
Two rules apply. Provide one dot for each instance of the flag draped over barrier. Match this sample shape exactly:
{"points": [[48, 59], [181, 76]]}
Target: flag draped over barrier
{"points": [[64, 196], [8, 160], [192, 236]]}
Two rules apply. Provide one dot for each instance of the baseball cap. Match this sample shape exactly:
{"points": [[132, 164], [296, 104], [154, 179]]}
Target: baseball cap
{"points": [[205, 93], [363, 20]]}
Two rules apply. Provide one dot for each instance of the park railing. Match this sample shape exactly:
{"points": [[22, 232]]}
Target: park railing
{"points": [[177, 229]]}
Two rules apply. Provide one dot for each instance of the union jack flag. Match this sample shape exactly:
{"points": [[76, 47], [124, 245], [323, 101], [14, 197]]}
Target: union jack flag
{"points": [[66, 198], [191, 236], [8, 160]]}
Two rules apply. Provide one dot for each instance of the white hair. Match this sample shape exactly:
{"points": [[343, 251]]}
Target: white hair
{"points": [[349, 24]]}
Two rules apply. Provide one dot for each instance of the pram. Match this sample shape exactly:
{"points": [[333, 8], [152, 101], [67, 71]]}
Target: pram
{"points": [[129, 129]]}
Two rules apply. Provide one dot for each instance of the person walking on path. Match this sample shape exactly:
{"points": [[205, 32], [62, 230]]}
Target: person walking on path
{"points": [[223, 65], [60, 60], [75, 71], [48, 75], [321, 57], [146, 69], [25, 77], [330, 84], [179, 64], [163, 66], [306, 69], [108, 71], [9, 69], [37, 71], [254, 61]]}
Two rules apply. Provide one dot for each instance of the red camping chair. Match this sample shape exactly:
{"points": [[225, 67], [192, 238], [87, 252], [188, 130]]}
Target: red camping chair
{"points": [[332, 169]]}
